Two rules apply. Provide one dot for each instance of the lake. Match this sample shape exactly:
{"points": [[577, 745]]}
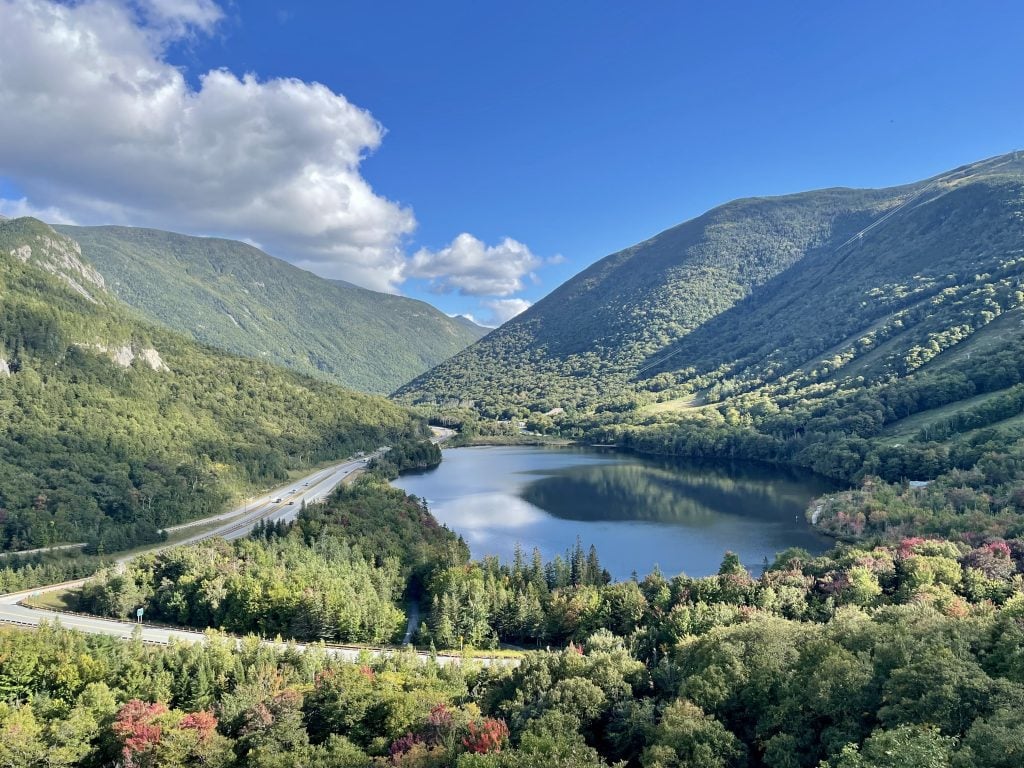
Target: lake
{"points": [[639, 512]]}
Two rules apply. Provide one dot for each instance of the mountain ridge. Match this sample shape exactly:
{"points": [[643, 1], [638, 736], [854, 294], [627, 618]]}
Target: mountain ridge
{"points": [[238, 298], [852, 332]]}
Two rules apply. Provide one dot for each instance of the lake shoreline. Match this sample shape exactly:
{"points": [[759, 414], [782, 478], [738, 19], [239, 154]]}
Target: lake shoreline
{"points": [[639, 511]]}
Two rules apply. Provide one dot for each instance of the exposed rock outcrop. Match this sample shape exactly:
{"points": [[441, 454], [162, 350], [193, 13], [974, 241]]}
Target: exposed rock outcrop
{"points": [[152, 358], [126, 354], [61, 256]]}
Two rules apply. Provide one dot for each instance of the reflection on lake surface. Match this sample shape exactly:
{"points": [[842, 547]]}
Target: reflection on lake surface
{"points": [[638, 512]]}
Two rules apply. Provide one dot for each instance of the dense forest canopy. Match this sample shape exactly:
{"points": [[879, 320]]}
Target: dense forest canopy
{"points": [[893, 656], [112, 428]]}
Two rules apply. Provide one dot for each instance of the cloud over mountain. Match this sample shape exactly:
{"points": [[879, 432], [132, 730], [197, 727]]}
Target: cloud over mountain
{"points": [[503, 310], [473, 268], [98, 125], [94, 119]]}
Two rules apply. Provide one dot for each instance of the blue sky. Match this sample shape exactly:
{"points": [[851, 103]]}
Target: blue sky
{"points": [[546, 134]]}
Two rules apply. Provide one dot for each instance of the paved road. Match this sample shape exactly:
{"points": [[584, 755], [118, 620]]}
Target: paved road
{"points": [[12, 613], [57, 548], [413, 609], [283, 503]]}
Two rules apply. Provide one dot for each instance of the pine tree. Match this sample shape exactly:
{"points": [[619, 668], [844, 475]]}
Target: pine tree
{"points": [[577, 563], [537, 574], [594, 574], [518, 566]]}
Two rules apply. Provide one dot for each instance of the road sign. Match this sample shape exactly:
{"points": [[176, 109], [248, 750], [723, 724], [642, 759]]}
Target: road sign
{"points": [[138, 614]]}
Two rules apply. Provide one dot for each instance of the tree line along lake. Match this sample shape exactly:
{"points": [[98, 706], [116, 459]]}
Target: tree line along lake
{"points": [[639, 512]]}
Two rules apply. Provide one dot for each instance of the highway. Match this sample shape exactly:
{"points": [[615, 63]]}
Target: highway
{"points": [[13, 613], [282, 503]]}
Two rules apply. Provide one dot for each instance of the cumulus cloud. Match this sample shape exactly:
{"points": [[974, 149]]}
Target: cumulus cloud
{"points": [[472, 268], [94, 119], [13, 209], [176, 17], [502, 310]]}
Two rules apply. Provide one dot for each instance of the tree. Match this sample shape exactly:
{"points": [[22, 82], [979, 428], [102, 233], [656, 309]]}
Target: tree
{"points": [[688, 738], [21, 742], [905, 747]]}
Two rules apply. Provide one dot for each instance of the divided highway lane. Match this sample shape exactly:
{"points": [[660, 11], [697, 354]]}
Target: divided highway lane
{"points": [[283, 503], [12, 613]]}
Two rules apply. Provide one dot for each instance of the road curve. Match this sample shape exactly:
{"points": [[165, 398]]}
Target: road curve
{"points": [[13, 613], [282, 503]]}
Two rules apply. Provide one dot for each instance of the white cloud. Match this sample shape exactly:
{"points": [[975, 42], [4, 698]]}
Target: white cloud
{"points": [[95, 120], [14, 209], [502, 310], [473, 268], [176, 17]]}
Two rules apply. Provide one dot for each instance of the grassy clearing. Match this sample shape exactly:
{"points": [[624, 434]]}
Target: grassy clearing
{"points": [[906, 429], [1005, 329], [690, 403], [58, 600], [299, 473], [1016, 422]]}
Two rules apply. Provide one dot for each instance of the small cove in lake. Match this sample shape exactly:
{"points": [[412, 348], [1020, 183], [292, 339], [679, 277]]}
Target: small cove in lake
{"points": [[638, 511]]}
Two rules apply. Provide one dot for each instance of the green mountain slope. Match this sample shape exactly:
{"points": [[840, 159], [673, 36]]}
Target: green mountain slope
{"points": [[754, 329], [236, 297], [749, 292], [112, 427]]}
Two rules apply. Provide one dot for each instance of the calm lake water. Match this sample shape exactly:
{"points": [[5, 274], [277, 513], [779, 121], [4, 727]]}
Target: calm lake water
{"points": [[638, 512]]}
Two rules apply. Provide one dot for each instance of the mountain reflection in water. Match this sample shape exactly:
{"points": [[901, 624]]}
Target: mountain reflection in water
{"points": [[689, 494], [638, 512]]}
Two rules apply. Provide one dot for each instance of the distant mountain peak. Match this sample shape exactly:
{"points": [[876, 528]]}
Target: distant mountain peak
{"points": [[469, 322], [234, 296]]}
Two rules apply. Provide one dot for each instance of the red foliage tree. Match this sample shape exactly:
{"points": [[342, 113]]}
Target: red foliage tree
{"points": [[489, 736], [908, 545], [136, 728], [403, 744], [203, 723]]}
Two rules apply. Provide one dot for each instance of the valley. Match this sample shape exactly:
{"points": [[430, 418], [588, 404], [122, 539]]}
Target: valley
{"points": [[533, 385], [816, 425]]}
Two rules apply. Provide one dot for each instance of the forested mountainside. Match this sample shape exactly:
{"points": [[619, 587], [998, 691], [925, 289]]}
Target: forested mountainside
{"points": [[850, 331], [112, 427], [234, 296], [763, 292]]}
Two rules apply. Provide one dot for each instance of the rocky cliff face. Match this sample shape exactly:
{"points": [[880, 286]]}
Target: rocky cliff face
{"points": [[125, 354], [29, 243], [61, 256]]}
